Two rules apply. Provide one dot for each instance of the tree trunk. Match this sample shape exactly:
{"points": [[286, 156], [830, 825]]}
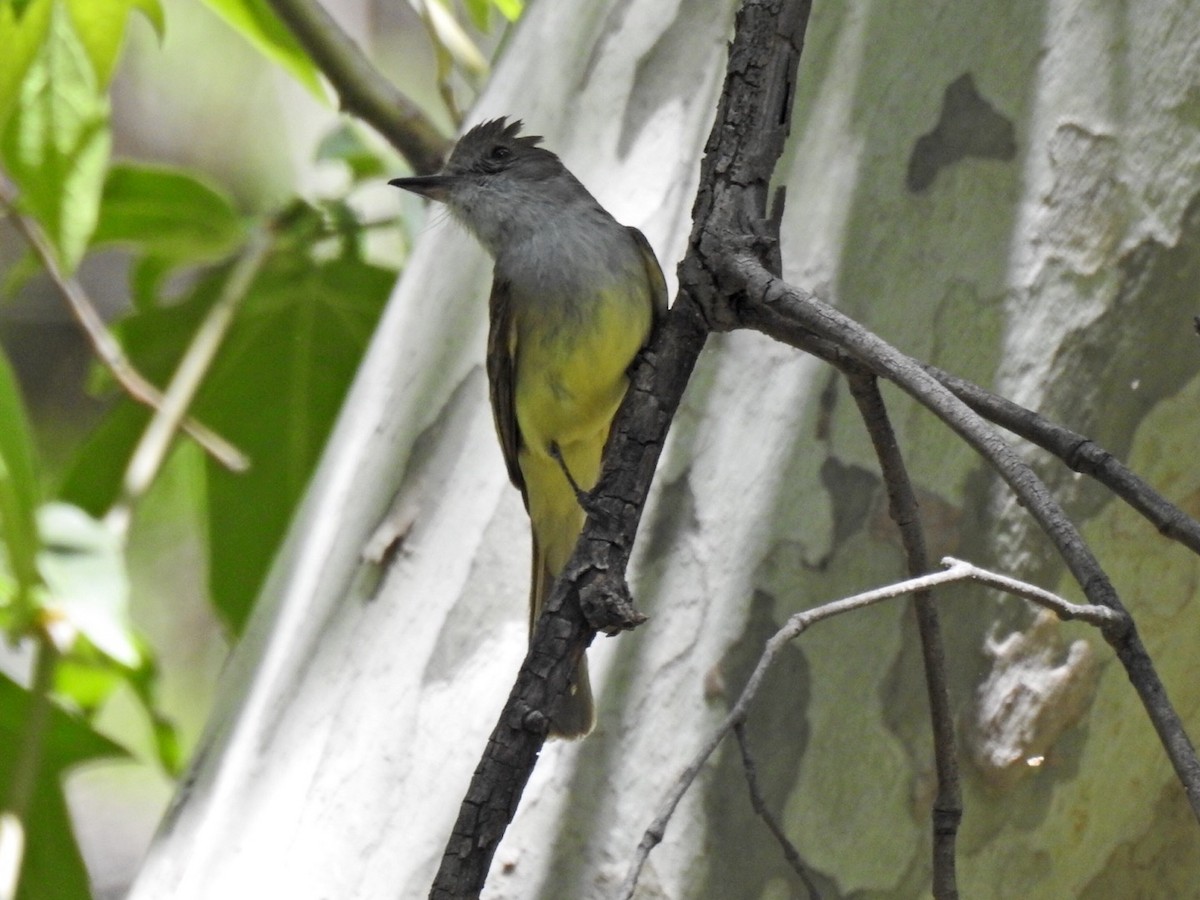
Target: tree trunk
{"points": [[1007, 190]]}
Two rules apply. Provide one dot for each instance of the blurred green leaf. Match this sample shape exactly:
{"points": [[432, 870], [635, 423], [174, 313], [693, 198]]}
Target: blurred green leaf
{"points": [[23, 30], [167, 212], [101, 28], [510, 9], [274, 390], [83, 564], [255, 21], [25, 267], [69, 741], [167, 743], [172, 216], [53, 867], [480, 13], [57, 141], [18, 501], [345, 144], [87, 679]]}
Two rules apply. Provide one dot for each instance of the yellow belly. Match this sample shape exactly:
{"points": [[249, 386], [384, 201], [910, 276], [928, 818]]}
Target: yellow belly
{"points": [[570, 379]]}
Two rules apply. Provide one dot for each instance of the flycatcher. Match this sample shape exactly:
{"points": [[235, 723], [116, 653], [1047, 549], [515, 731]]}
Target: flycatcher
{"points": [[575, 295]]}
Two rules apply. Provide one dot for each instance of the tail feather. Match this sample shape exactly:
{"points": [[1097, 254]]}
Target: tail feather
{"points": [[576, 712]]}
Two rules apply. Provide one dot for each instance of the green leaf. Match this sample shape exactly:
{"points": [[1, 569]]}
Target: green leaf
{"points": [[87, 678], [167, 212], [255, 21], [345, 144], [480, 13], [53, 868], [57, 142], [25, 267], [18, 501], [101, 28], [274, 390], [510, 9], [23, 30]]}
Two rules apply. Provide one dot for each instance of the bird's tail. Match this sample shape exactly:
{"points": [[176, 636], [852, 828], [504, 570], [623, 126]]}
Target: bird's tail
{"points": [[576, 713]]}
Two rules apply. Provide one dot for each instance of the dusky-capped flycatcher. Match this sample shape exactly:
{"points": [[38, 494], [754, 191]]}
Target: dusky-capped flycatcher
{"points": [[575, 295]]}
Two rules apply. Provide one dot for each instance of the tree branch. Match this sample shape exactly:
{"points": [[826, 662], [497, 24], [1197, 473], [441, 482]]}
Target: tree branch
{"points": [[156, 440], [768, 299], [106, 347], [361, 89], [760, 807], [591, 595], [1078, 452], [903, 508], [957, 570]]}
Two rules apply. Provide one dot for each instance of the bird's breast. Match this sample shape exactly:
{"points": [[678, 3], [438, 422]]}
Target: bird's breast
{"points": [[573, 349]]}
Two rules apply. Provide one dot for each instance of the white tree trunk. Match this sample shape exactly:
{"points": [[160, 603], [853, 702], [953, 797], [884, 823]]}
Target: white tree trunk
{"points": [[1064, 276]]}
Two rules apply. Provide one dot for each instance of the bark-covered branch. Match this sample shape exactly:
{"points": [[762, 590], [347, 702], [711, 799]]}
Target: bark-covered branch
{"points": [[1079, 452], [361, 88], [769, 298], [759, 803], [591, 595], [729, 279]]}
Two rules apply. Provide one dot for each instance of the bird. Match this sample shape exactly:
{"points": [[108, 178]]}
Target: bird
{"points": [[575, 298]]}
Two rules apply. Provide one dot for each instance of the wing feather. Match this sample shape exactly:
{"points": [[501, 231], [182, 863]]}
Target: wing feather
{"points": [[654, 275], [502, 369]]}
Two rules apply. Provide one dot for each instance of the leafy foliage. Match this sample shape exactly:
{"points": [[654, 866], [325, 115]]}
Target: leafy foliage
{"points": [[53, 867], [18, 501], [169, 218], [273, 389], [57, 141], [254, 21]]}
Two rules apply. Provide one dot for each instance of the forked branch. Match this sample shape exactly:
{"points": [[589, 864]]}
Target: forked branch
{"points": [[956, 571]]}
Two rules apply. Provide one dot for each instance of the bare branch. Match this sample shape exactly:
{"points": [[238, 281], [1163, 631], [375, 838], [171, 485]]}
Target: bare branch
{"points": [[591, 595], [152, 449], [760, 806], [361, 88], [1081, 454], [957, 570], [902, 506], [106, 347], [771, 300], [1078, 452]]}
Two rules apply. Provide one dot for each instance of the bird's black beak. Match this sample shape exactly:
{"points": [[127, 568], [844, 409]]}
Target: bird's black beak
{"points": [[435, 187]]}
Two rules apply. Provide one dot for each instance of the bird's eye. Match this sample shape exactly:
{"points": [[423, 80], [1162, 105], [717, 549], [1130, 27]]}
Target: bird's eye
{"points": [[500, 153]]}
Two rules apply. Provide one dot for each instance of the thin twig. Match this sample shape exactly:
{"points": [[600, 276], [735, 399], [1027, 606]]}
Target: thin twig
{"points": [[106, 347], [152, 449], [1100, 616], [771, 299], [361, 88], [902, 506], [790, 853]]}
